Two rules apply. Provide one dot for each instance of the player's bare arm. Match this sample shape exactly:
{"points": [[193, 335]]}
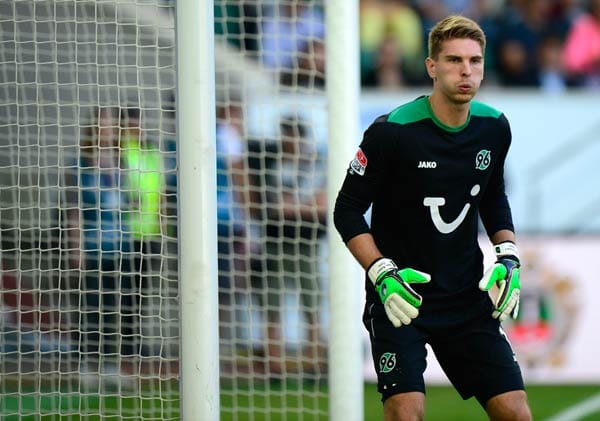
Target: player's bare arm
{"points": [[502, 236], [364, 249]]}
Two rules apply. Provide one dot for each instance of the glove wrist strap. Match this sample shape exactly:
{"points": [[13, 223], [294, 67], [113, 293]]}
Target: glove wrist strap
{"points": [[379, 267], [506, 248]]}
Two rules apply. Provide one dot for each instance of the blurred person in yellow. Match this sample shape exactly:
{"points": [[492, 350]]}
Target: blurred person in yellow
{"points": [[144, 184], [395, 24]]}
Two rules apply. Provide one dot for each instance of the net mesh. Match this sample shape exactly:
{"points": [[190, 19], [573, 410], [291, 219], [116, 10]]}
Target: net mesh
{"points": [[271, 123], [88, 304], [88, 209]]}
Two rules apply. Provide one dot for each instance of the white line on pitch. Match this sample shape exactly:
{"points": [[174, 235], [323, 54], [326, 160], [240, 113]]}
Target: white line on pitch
{"points": [[578, 411]]}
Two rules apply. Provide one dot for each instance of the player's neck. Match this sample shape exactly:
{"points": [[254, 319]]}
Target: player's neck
{"points": [[450, 113]]}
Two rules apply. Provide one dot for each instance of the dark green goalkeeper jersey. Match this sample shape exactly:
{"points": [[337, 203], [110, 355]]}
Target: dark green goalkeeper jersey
{"points": [[428, 184]]}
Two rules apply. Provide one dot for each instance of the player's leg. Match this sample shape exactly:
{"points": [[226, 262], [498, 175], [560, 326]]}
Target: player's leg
{"points": [[399, 356], [479, 361], [408, 406], [509, 406]]}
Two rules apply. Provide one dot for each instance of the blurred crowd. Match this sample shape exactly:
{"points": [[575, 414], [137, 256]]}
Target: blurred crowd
{"points": [[546, 44], [272, 208]]}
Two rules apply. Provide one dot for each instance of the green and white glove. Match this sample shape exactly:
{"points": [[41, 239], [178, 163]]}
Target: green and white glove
{"points": [[400, 301], [505, 274]]}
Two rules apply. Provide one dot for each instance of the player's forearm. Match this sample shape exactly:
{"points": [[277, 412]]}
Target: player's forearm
{"points": [[364, 249], [502, 236]]}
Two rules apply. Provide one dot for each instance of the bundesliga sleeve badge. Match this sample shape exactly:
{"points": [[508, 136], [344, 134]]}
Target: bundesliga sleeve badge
{"points": [[359, 164]]}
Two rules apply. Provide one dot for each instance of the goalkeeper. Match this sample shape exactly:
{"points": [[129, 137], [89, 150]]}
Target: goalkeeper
{"points": [[430, 169]]}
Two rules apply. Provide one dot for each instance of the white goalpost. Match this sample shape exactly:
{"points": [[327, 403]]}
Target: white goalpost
{"points": [[167, 248], [343, 94], [198, 211]]}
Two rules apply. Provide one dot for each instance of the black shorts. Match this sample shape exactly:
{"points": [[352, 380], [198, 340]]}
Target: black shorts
{"points": [[476, 357]]}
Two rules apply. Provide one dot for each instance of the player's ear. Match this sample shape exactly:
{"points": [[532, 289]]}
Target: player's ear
{"points": [[430, 66]]}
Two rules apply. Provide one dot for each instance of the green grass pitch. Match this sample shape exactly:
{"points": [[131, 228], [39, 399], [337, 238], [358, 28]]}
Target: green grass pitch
{"points": [[266, 402]]}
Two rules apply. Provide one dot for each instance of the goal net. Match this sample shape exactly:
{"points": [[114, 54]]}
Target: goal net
{"points": [[88, 281], [271, 143], [88, 209]]}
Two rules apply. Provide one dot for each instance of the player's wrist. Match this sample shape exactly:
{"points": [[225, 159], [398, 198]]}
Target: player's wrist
{"points": [[379, 267]]}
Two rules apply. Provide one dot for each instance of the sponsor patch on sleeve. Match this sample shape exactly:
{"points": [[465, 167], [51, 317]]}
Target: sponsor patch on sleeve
{"points": [[359, 164]]}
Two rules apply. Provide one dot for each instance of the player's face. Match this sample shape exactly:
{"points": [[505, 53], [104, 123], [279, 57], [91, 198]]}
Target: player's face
{"points": [[458, 70]]}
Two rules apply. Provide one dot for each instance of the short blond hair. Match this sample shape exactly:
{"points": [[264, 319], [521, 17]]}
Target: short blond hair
{"points": [[452, 27]]}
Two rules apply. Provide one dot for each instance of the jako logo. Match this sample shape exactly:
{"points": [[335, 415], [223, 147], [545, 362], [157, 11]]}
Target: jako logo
{"points": [[427, 164]]}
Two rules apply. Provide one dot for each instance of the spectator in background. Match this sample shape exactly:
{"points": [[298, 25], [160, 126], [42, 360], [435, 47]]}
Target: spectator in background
{"points": [[562, 14], [433, 10], [232, 214], [552, 76], [310, 72], [521, 30], [97, 201], [581, 53], [391, 43], [514, 66], [294, 191], [386, 69], [144, 184], [287, 32]]}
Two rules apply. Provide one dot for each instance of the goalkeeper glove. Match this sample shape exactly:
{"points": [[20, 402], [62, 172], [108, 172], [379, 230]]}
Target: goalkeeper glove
{"points": [[505, 274], [400, 301]]}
